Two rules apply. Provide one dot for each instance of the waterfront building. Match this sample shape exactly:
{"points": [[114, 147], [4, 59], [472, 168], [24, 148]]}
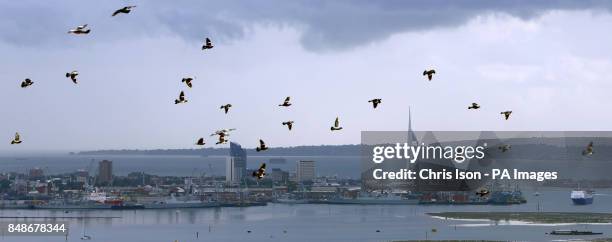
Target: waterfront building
{"points": [[82, 176], [105, 171], [235, 166], [305, 171]]}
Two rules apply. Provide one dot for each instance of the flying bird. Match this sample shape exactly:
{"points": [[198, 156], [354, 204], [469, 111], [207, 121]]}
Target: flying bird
{"points": [[187, 81], [286, 103], [483, 192], [261, 172], [200, 141], [336, 125], [126, 10], [289, 124], [262, 146], [375, 102], [181, 98], [429, 73], [16, 140], [81, 29], [474, 106], [26, 83], [73, 76], [506, 114], [207, 45], [589, 149], [504, 148], [226, 107], [222, 131], [222, 139]]}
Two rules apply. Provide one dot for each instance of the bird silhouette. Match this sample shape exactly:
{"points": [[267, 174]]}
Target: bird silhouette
{"points": [[429, 73], [187, 81], [200, 141], [181, 98], [207, 45], [474, 106], [506, 114], [504, 148], [336, 125], [73, 76], [262, 146], [261, 172], [589, 149], [26, 83], [16, 140], [375, 102], [222, 139], [286, 103], [126, 10], [226, 107], [289, 124], [81, 29], [483, 192], [222, 131]]}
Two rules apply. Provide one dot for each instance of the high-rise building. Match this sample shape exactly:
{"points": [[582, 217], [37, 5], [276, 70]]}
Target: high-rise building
{"points": [[305, 170], [105, 171], [235, 167]]}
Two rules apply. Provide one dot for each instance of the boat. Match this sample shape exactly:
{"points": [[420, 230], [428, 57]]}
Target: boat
{"points": [[375, 199], [126, 206], [582, 197], [182, 202], [573, 232]]}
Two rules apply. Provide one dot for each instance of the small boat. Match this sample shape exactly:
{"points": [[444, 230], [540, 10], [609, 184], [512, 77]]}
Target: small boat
{"points": [[582, 197], [573, 232]]}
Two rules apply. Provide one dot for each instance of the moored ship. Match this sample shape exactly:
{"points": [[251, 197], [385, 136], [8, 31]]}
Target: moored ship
{"points": [[582, 197], [376, 199], [181, 202]]}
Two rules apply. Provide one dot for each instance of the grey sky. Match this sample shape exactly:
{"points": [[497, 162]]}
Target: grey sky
{"points": [[545, 60]]}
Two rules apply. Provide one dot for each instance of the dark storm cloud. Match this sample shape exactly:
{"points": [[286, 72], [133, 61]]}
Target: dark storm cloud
{"points": [[325, 24]]}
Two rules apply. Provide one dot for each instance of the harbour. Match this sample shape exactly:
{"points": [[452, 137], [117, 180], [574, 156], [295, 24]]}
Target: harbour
{"points": [[311, 222]]}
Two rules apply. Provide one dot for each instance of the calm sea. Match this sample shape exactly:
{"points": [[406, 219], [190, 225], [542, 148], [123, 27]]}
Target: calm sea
{"points": [[310, 222]]}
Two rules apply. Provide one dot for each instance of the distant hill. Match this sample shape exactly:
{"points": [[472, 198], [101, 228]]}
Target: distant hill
{"points": [[522, 148], [323, 150]]}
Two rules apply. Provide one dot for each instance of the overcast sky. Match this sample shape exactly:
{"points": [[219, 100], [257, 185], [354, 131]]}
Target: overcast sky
{"points": [[547, 61]]}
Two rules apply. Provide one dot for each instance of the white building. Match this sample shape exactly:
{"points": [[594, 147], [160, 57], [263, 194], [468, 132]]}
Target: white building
{"points": [[305, 171]]}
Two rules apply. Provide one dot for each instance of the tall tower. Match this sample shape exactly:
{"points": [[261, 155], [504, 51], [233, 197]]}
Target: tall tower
{"points": [[105, 171], [235, 168], [411, 139]]}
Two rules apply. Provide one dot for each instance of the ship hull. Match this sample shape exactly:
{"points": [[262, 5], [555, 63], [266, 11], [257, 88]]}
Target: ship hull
{"points": [[371, 201], [582, 201]]}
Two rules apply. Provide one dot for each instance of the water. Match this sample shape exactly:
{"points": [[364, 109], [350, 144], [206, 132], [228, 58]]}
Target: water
{"points": [[342, 166], [315, 222]]}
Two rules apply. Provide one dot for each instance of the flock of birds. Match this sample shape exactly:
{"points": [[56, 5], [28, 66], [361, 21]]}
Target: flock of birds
{"points": [[224, 133]]}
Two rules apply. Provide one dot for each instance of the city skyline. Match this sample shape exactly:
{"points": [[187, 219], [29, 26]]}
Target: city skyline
{"points": [[536, 59]]}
